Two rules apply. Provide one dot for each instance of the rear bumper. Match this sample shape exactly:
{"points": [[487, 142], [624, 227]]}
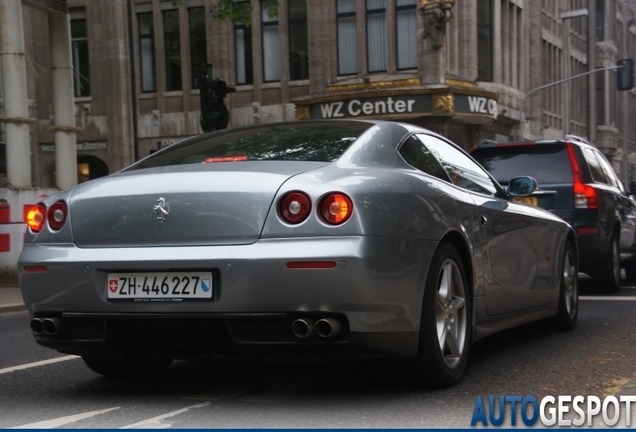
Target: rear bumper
{"points": [[204, 335], [375, 292]]}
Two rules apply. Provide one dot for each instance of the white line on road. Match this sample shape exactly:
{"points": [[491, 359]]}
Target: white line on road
{"points": [[156, 422], [37, 364], [49, 424], [615, 298]]}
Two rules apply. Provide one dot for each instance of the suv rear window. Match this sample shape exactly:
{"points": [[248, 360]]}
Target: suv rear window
{"points": [[547, 163]]}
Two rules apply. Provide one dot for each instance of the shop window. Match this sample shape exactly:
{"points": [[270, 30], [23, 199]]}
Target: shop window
{"points": [[406, 33], [347, 51], [147, 52], [271, 45], [79, 46], [198, 44], [243, 49], [376, 35], [172, 45], [298, 52]]}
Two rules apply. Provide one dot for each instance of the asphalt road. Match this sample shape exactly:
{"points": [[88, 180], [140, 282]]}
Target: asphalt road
{"points": [[595, 359]]}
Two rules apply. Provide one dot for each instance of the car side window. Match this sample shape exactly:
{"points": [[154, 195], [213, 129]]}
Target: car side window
{"points": [[462, 170], [609, 171], [595, 166], [418, 156]]}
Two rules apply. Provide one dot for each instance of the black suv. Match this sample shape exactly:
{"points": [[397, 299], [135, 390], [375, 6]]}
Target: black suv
{"points": [[578, 184]]}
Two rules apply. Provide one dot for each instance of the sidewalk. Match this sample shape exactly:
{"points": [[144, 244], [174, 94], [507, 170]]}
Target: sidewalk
{"points": [[11, 299]]}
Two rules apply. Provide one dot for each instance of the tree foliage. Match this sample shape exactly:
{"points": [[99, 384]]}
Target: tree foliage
{"points": [[241, 12]]}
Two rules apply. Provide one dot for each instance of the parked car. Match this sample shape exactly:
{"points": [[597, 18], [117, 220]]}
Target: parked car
{"points": [[578, 184], [303, 238]]}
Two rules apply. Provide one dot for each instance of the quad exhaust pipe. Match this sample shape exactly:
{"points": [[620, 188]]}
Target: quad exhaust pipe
{"points": [[324, 327], [327, 327], [48, 326], [303, 327]]}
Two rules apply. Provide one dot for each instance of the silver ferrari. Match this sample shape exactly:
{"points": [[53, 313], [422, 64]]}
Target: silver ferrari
{"points": [[316, 238]]}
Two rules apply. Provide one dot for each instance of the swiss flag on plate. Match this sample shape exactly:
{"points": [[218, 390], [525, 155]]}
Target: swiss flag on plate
{"points": [[112, 285]]}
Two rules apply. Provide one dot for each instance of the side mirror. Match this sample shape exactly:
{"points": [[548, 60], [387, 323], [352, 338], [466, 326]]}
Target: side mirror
{"points": [[522, 186]]}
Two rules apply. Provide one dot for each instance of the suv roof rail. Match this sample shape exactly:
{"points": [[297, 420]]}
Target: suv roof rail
{"points": [[486, 142], [569, 137]]}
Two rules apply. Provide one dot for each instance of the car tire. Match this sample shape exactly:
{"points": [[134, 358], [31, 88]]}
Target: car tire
{"points": [[445, 326], [568, 310], [607, 277], [127, 367]]}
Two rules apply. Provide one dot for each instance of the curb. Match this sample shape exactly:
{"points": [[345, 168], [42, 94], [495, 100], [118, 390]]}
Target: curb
{"points": [[17, 307]]}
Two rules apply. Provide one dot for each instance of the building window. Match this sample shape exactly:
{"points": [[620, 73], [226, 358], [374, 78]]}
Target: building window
{"points": [[406, 33], [298, 53], [347, 51], [376, 35], [147, 52], [600, 20], [484, 40], [198, 45], [172, 44], [600, 98], [243, 47], [79, 42], [271, 45]]}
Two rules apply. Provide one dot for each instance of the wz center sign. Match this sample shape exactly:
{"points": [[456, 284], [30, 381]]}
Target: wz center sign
{"points": [[405, 105], [373, 106]]}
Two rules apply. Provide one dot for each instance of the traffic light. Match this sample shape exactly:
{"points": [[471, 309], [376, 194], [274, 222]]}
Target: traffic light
{"points": [[625, 74], [214, 113]]}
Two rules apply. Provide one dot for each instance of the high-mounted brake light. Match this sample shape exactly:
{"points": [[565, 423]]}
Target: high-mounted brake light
{"points": [[336, 208], [295, 207], [57, 215], [584, 196], [36, 217]]}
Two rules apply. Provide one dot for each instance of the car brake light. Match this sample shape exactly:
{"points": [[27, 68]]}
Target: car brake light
{"points": [[336, 208], [57, 215], [585, 196], [295, 207], [36, 217]]}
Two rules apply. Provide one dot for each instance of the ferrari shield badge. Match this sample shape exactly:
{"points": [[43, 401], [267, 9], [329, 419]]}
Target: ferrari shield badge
{"points": [[162, 209]]}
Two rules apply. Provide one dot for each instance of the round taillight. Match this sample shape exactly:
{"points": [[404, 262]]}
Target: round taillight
{"points": [[57, 215], [295, 207], [36, 217], [336, 208]]}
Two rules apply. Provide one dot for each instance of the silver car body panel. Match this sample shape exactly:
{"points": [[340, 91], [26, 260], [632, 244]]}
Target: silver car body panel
{"points": [[224, 218]]}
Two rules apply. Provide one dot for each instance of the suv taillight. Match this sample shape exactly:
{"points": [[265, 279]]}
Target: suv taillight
{"points": [[585, 197]]}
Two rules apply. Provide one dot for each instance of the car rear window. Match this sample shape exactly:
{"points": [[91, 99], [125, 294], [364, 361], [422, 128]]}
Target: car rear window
{"points": [[316, 142], [545, 162]]}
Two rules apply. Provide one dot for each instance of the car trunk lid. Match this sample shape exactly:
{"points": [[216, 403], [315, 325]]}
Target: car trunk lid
{"points": [[205, 204]]}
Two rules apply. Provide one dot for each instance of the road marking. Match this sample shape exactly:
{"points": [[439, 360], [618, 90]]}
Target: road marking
{"points": [[49, 424], [156, 422], [615, 298], [37, 364]]}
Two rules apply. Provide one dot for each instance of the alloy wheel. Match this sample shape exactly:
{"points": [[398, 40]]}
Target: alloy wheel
{"points": [[450, 313]]}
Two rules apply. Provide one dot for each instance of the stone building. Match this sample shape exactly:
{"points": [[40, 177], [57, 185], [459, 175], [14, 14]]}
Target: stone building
{"points": [[459, 67]]}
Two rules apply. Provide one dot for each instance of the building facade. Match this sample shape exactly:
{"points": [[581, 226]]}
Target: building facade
{"points": [[459, 67]]}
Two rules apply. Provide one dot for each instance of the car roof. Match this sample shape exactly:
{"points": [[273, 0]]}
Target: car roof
{"points": [[567, 139]]}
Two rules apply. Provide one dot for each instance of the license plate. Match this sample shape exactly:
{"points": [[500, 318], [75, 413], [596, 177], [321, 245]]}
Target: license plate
{"points": [[169, 286], [527, 200]]}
